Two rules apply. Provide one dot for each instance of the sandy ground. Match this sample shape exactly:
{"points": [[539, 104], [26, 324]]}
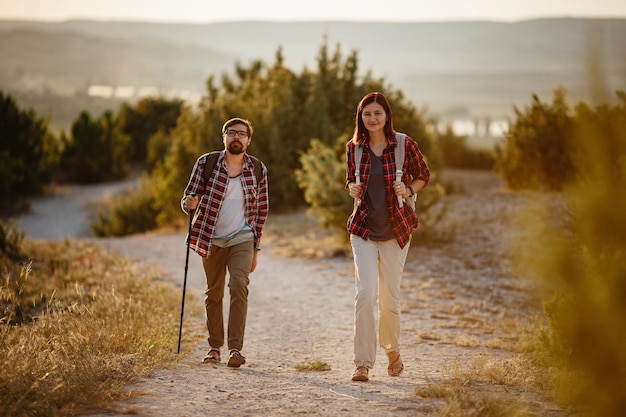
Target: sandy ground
{"points": [[456, 295]]}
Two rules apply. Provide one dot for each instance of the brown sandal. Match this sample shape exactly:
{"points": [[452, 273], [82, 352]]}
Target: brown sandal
{"points": [[360, 374], [212, 357], [396, 367]]}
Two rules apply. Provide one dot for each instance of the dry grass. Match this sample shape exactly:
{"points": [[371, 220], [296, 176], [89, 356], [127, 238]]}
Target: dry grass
{"points": [[484, 387], [313, 366], [102, 322]]}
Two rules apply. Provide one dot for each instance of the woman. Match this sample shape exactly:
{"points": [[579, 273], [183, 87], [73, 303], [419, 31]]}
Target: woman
{"points": [[380, 229]]}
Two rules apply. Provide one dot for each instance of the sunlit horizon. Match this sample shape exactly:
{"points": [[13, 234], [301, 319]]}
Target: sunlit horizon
{"points": [[201, 12]]}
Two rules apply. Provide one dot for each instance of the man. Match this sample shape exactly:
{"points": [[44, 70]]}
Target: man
{"points": [[229, 203]]}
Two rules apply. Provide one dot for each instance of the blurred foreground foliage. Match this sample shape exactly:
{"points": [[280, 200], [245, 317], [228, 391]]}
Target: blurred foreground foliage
{"points": [[76, 325], [579, 254]]}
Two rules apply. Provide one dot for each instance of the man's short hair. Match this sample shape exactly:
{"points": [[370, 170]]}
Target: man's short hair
{"points": [[236, 120]]}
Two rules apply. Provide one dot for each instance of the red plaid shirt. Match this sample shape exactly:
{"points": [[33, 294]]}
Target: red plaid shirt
{"points": [[211, 198], [403, 220]]}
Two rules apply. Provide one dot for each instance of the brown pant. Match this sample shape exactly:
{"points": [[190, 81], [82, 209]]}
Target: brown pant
{"points": [[237, 260]]}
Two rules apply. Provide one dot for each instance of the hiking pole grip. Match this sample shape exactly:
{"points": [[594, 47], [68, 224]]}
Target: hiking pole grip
{"points": [[182, 307]]}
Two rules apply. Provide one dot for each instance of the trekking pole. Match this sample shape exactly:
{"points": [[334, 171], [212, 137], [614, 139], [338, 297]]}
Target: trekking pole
{"points": [[182, 307]]}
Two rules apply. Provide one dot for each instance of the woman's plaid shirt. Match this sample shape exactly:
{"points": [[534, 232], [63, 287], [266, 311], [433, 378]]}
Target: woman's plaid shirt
{"points": [[404, 219], [212, 196]]}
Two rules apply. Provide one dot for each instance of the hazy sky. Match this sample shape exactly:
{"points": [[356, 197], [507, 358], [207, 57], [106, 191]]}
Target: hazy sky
{"points": [[203, 11]]}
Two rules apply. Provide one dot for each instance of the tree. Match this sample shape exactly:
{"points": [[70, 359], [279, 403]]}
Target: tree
{"points": [[287, 111], [97, 150], [28, 153], [149, 116]]}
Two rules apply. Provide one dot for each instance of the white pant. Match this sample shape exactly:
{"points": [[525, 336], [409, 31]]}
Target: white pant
{"points": [[379, 267]]}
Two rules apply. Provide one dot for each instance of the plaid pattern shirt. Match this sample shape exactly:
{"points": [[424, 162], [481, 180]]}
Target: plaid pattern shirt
{"points": [[403, 220], [212, 196]]}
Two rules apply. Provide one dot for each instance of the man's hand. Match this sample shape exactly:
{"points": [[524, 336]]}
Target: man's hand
{"points": [[191, 202], [253, 266]]}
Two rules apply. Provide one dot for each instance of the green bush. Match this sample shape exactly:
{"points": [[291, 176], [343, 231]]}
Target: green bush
{"points": [[537, 151], [322, 178], [130, 213]]}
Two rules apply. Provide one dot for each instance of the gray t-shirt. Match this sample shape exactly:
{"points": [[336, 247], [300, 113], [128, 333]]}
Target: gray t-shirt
{"points": [[377, 219]]}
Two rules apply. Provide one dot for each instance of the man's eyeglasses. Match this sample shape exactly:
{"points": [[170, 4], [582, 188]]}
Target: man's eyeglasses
{"points": [[241, 133]]}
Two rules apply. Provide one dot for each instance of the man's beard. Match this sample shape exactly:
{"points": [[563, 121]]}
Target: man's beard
{"points": [[235, 148]]}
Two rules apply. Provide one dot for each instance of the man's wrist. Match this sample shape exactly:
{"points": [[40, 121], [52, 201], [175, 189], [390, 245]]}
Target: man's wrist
{"points": [[412, 191]]}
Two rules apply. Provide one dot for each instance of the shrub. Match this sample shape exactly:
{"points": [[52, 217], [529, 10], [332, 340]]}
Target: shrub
{"points": [[322, 178], [455, 153], [132, 212], [537, 152]]}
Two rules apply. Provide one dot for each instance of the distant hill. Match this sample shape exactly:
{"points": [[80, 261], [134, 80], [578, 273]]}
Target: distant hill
{"points": [[472, 68]]}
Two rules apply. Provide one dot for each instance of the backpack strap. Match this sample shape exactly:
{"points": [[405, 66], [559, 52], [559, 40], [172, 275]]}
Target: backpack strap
{"points": [[211, 160], [358, 153], [399, 156], [258, 170]]}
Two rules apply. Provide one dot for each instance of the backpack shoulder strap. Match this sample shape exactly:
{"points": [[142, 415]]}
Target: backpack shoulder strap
{"points": [[399, 151], [399, 157], [211, 160], [258, 170], [358, 153]]}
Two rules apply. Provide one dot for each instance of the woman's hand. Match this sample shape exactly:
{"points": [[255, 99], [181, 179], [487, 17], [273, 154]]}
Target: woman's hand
{"points": [[355, 190], [401, 189]]}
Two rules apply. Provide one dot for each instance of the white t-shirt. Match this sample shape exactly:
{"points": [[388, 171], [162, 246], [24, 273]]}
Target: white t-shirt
{"points": [[231, 218]]}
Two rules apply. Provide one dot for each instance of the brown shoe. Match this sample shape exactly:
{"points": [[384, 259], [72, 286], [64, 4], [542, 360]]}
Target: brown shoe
{"points": [[213, 356], [396, 367], [360, 374], [235, 359]]}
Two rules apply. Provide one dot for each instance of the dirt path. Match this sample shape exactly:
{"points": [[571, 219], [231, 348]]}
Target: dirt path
{"points": [[301, 311]]}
